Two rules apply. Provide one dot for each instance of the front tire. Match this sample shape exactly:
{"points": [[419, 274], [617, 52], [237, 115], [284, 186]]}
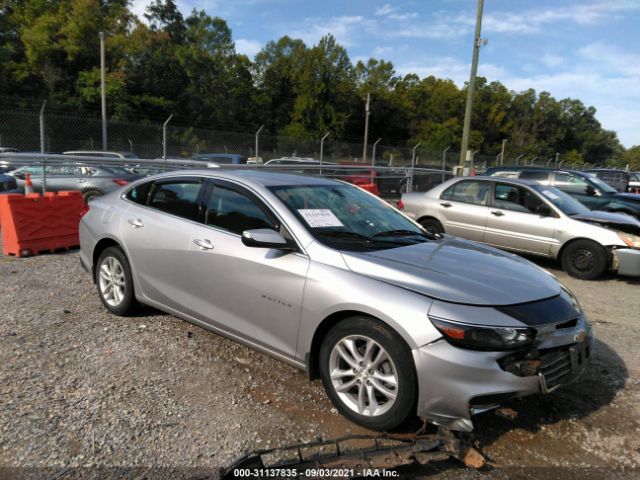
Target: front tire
{"points": [[368, 373], [584, 259], [114, 282], [431, 225]]}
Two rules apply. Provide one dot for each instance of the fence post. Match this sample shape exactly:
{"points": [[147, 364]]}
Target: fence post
{"points": [[257, 141], [413, 164], [164, 141], [373, 159], [444, 161], [322, 150], [43, 148], [518, 158]]}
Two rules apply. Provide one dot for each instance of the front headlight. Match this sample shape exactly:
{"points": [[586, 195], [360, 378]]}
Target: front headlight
{"points": [[630, 239], [476, 337], [572, 298]]}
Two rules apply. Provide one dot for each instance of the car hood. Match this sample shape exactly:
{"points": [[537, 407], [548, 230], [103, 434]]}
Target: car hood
{"points": [[458, 271], [615, 221], [634, 197]]}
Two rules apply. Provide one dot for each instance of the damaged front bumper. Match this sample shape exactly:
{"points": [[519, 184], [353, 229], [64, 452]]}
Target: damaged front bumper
{"points": [[455, 383], [626, 261]]}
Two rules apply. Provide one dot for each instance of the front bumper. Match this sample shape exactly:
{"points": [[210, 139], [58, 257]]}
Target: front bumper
{"points": [[455, 383], [627, 261]]}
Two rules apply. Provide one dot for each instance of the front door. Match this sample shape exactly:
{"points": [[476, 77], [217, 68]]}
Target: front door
{"points": [[255, 293], [516, 221]]}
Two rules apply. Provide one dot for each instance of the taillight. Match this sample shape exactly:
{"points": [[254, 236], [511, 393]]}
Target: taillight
{"points": [[120, 181], [400, 205], [84, 210]]}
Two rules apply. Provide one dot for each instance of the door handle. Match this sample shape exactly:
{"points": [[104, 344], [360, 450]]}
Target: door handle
{"points": [[135, 222], [446, 204], [204, 244], [497, 213]]}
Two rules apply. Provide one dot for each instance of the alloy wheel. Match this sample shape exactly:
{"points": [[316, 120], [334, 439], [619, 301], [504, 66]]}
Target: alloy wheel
{"points": [[112, 281], [363, 375]]}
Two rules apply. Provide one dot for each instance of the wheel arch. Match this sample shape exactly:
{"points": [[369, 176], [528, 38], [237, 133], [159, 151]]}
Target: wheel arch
{"points": [[573, 240], [100, 247], [313, 356]]}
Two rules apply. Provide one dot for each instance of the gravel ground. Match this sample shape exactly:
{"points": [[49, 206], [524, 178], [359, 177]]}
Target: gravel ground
{"points": [[80, 387]]}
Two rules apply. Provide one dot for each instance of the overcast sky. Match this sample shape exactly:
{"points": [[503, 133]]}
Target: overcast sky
{"points": [[585, 49]]}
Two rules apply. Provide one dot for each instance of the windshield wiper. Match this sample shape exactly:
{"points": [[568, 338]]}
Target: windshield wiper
{"points": [[358, 236], [400, 232]]}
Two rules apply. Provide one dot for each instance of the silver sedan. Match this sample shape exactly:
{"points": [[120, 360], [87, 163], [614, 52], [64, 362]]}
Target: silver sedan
{"points": [[527, 217], [329, 278]]}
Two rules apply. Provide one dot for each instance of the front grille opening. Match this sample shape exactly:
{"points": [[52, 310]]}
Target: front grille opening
{"points": [[570, 324], [491, 399]]}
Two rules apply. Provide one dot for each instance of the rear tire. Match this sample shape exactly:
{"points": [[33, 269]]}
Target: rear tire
{"points": [[584, 259], [114, 281], [368, 373], [431, 225]]}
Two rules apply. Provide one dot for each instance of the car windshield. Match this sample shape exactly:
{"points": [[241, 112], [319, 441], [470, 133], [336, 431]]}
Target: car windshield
{"points": [[601, 184], [346, 218], [565, 202]]}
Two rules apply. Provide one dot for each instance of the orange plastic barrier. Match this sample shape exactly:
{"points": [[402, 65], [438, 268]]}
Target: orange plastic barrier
{"points": [[35, 223]]}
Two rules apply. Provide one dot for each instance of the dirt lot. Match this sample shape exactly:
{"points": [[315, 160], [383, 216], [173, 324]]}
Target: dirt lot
{"points": [[81, 387]]}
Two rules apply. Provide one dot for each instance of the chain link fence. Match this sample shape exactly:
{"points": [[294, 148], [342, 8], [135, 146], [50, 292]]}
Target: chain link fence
{"points": [[30, 131]]}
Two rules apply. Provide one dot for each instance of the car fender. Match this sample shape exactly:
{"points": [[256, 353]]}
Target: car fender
{"points": [[570, 230]]}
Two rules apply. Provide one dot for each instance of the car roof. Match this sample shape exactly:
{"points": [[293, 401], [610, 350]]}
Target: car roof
{"points": [[514, 181], [255, 177], [519, 168]]}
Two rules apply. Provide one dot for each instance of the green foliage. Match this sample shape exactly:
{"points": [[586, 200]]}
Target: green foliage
{"points": [[189, 67]]}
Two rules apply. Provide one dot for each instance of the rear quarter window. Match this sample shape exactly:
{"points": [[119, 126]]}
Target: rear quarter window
{"points": [[139, 193]]}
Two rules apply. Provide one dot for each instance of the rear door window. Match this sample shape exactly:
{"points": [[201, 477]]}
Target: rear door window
{"points": [[177, 197], [517, 199], [540, 177], [468, 191], [570, 183]]}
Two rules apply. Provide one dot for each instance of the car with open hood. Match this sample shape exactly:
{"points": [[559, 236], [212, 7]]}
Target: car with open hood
{"points": [[395, 320], [528, 217]]}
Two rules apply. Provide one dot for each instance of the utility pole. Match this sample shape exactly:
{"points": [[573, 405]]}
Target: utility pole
{"points": [[366, 129], [103, 93], [257, 141], [477, 41]]}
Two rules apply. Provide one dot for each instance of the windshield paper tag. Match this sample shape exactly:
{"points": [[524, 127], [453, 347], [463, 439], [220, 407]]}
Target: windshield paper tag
{"points": [[320, 217], [550, 194]]}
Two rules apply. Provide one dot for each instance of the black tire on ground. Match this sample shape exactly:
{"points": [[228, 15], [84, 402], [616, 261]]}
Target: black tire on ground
{"points": [[404, 405], [90, 194], [128, 304], [431, 225], [584, 259]]}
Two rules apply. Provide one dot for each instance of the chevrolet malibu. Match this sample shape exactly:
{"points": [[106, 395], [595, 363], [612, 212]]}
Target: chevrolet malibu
{"points": [[320, 274]]}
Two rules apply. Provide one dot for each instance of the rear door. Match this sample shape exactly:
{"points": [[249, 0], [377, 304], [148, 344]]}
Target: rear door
{"points": [[254, 293], [157, 230], [463, 208], [516, 220], [579, 188]]}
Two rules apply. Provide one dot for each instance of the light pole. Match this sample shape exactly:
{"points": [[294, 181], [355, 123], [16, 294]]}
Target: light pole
{"points": [[366, 129], [477, 41], [373, 158], [103, 93], [257, 144], [322, 150]]}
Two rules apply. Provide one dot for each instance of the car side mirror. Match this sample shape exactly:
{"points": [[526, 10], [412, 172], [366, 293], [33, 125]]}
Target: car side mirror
{"points": [[589, 190], [19, 175], [265, 238]]}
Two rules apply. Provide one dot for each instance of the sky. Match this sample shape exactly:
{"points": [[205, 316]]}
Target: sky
{"points": [[584, 49]]}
